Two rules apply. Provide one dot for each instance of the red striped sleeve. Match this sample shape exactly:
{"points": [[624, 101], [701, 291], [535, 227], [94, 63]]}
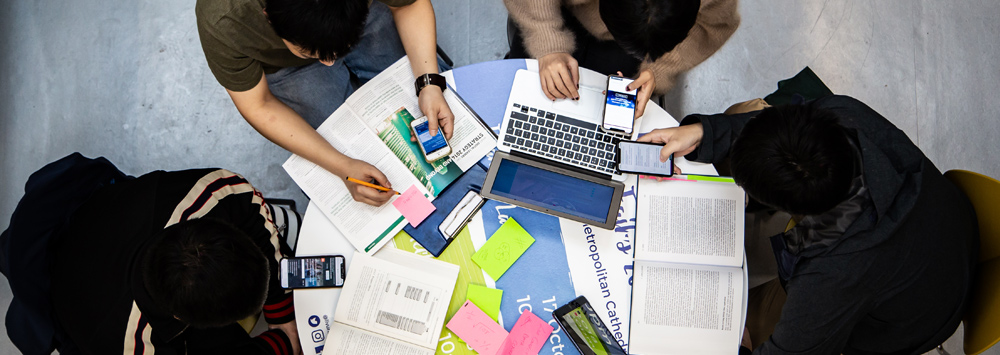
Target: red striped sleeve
{"points": [[280, 310], [276, 341]]}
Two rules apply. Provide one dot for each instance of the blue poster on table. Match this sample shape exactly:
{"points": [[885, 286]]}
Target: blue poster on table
{"points": [[539, 281]]}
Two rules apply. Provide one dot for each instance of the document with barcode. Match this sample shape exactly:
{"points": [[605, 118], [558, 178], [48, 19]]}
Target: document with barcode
{"points": [[392, 302]]}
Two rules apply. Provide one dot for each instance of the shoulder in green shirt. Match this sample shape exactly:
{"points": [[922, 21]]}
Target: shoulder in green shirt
{"points": [[240, 45]]}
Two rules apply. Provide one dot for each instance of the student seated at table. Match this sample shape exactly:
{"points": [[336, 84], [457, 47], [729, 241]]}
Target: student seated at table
{"points": [[652, 41], [104, 263], [881, 257], [288, 64]]}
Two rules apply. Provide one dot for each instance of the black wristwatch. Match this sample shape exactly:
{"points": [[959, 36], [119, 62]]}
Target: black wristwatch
{"points": [[432, 79]]}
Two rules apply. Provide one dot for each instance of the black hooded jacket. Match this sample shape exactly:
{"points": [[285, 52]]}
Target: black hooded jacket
{"points": [[897, 280]]}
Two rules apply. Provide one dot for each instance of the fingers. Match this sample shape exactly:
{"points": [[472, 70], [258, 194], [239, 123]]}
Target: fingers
{"points": [[560, 75], [567, 85], [374, 173], [545, 88], [645, 84], [432, 124], [446, 120], [656, 136], [640, 105]]}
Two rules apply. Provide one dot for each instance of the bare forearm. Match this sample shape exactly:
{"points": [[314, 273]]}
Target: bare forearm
{"points": [[280, 124], [418, 32]]}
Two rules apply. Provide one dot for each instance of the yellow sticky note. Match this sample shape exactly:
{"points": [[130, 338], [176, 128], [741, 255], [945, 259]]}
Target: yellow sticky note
{"points": [[503, 249], [487, 299]]}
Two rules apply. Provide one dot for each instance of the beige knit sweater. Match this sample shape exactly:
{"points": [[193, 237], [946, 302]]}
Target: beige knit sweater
{"points": [[542, 27]]}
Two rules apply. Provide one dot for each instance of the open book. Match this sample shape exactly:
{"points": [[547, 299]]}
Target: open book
{"points": [[687, 291], [394, 303], [373, 126]]}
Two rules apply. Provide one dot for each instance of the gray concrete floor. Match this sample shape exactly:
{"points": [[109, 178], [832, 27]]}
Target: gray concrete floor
{"points": [[127, 80]]}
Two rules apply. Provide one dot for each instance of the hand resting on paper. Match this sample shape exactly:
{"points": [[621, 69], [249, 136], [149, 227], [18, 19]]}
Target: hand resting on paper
{"points": [[677, 140], [366, 172]]}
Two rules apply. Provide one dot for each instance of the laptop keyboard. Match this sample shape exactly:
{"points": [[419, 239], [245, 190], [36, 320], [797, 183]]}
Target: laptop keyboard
{"points": [[561, 138]]}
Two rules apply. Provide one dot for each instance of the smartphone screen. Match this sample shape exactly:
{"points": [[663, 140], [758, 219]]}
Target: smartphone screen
{"points": [[320, 271], [430, 143], [585, 328], [643, 158], [619, 108]]}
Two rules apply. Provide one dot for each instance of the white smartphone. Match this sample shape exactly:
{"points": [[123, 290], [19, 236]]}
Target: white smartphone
{"points": [[314, 271], [619, 106], [433, 147]]}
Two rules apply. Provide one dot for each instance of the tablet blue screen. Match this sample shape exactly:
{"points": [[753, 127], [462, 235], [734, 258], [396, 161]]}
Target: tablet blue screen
{"points": [[552, 190]]}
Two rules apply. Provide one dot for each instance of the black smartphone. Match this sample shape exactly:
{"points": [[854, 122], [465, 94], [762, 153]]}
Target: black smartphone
{"points": [[619, 106], [643, 158], [586, 329], [313, 271]]}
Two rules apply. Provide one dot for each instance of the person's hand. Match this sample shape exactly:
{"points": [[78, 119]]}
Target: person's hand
{"points": [[433, 105], [560, 76], [677, 140], [291, 330], [746, 339], [366, 172], [646, 83]]}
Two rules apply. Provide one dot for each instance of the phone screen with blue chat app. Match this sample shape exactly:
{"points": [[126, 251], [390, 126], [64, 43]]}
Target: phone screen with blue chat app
{"points": [[430, 143]]}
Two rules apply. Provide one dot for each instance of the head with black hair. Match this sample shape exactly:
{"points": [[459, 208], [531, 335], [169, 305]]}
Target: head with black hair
{"points": [[206, 273], [318, 29], [649, 28], [795, 158]]}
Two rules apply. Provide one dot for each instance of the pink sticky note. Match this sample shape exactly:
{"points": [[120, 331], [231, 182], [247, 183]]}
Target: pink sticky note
{"points": [[414, 206], [527, 337], [477, 329]]}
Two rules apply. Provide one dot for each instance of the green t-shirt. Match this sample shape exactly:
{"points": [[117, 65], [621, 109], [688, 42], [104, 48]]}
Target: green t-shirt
{"points": [[240, 44]]}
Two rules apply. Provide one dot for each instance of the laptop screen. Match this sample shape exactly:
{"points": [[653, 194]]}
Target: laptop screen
{"points": [[552, 190]]}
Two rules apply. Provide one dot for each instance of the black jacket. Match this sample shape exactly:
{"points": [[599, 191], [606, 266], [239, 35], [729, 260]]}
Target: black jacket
{"points": [[897, 280], [98, 296]]}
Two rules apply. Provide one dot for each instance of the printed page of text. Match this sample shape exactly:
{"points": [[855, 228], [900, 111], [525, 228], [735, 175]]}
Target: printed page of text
{"points": [[407, 301], [344, 339], [694, 222], [686, 309], [365, 226], [391, 90]]}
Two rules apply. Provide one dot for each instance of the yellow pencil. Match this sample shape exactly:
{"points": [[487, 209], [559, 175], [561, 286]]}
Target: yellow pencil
{"points": [[371, 185]]}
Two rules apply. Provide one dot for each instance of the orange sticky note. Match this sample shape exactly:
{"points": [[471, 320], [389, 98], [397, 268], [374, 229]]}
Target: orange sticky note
{"points": [[527, 337], [477, 329], [414, 206]]}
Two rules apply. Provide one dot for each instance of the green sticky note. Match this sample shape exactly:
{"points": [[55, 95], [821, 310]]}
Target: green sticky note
{"points": [[710, 178], [487, 299], [503, 249]]}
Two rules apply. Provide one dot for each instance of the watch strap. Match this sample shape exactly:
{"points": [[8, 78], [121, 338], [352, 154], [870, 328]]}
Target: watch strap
{"points": [[430, 79]]}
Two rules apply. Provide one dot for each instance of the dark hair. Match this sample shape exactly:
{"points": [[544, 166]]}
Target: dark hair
{"points": [[649, 27], [795, 158], [206, 272], [325, 28]]}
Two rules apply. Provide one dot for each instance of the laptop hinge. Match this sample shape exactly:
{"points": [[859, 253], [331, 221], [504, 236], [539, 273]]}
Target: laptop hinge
{"points": [[560, 164]]}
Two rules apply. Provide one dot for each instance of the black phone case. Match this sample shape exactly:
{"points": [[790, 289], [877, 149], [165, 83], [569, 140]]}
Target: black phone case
{"points": [[343, 271], [618, 160]]}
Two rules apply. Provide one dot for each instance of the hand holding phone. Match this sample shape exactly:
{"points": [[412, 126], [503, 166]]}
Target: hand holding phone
{"points": [[434, 147], [619, 106], [312, 272]]}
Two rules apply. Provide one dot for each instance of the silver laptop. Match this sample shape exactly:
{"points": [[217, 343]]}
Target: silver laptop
{"points": [[566, 132], [560, 161]]}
